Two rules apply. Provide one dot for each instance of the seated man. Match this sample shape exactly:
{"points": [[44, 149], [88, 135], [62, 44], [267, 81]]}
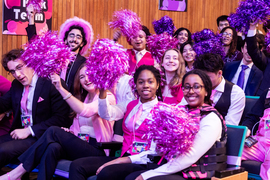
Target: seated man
{"points": [[228, 99], [35, 103], [244, 73], [259, 116], [261, 59]]}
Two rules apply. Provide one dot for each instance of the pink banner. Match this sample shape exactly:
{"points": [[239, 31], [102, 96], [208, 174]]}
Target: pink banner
{"points": [[15, 18]]}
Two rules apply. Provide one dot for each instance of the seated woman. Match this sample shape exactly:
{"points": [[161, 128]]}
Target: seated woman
{"points": [[80, 141], [147, 80], [183, 35], [188, 54], [172, 65], [196, 87], [229, 40], [259, 114]]}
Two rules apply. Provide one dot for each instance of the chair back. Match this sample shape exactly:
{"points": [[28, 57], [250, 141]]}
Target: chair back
{"points": [[250, 101], [235, 143]]}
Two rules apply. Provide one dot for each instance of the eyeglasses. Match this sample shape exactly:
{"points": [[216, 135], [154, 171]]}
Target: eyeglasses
{"points": [[17, 68], [227, 34], [72, 35], [196, 88]]}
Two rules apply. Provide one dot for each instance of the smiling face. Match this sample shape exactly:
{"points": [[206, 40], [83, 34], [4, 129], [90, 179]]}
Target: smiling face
{"points": [[194, 91], [182, 36], [20, 72], [88, 86], [227, 37], [146, 86], [188, 53], [170, 61], [74, 40], [139, 41]]}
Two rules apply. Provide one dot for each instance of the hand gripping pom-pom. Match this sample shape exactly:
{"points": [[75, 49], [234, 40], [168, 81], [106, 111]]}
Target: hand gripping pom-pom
{"points": [[249, 11], [172, 128], [107, 62], [37, 5], [127, 21], [47, 54]]}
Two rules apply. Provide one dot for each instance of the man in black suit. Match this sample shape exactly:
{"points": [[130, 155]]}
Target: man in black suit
{"points": [[77, 34], [261, 59], [252, 76], [36, 106]]}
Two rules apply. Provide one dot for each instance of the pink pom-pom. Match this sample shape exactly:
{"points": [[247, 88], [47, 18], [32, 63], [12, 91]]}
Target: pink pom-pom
{"points": [[128, 22], [107, 62], [37, 5], [173, 129], [46, 54], [158, 44]]}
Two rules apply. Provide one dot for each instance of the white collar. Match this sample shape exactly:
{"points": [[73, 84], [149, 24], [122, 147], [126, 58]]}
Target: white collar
{"points": [[148, 104], [221, 86]]}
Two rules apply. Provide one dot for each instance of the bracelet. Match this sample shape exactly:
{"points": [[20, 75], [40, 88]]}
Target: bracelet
{"points": [[68, 96]]}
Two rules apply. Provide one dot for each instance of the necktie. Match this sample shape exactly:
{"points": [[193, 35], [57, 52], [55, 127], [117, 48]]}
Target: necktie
{"points": [[134, 119], [241, 78], [24, 99], [138, 56], [212, 96], [68, 69]]}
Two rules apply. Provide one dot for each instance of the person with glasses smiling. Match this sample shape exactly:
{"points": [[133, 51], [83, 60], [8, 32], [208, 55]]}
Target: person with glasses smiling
{"points": [[228, 99], [35, 103], [229, 40]]}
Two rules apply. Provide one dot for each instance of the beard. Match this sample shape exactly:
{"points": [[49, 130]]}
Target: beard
{"points": [[78, 46]]}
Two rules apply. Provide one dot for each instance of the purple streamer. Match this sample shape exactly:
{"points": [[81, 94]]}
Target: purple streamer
{"points": [[165, 24]]}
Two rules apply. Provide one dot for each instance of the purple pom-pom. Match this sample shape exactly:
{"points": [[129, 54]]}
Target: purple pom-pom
{"points": [[158, 44], [213, 45], [165, 24], [249, 11], [107, 62], [37, 5], [47, 54], [203, 35], [173, 129], [128, 22], [267, 42]]}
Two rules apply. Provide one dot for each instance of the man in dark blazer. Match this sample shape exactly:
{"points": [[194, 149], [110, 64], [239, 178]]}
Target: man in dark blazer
{"points": [[33, 99], [78, 35], [261, 59], [252, 78]]}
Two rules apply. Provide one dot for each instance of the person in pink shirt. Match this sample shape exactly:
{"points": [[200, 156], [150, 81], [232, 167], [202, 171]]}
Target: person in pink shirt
{"points": [[5, 118], [147, 80], [173, 66], [76, 142], [138, 55]]}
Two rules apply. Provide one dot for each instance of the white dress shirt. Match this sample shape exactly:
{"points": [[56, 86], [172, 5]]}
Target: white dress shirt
{"points": [[247, 72], [32, 87], [123, 96], [209, 133], [237, 106], [139, 55], [145, 112]]}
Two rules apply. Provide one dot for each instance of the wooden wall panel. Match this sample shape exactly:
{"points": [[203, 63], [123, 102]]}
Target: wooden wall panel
{"points": [[200, 14]]}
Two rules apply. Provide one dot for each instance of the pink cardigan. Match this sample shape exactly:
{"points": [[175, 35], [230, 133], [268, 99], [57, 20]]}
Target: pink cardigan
{"points": [[103, 128]]}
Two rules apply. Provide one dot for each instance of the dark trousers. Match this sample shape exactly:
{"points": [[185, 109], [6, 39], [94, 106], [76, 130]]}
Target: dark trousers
{"points": [[54, 145], [11, 149]]}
